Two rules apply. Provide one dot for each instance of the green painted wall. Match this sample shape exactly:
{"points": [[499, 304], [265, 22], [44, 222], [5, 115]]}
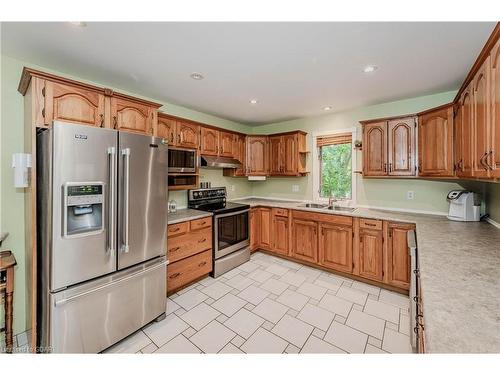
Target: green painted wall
{"points": [[429, 195], [11, 141]]}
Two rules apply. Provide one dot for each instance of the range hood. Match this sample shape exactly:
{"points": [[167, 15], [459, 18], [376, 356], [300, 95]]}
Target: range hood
{"points": [[218, 162]]}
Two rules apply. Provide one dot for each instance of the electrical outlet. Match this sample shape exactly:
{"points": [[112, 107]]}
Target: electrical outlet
{"points": [[232, 188], [410, 194], [295, 188]]}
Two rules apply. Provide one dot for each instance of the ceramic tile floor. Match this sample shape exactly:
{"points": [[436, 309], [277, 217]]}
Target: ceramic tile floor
{"points": [[271, 305]]}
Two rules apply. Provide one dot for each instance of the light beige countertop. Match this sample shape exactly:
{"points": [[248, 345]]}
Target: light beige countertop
{"points": [[460, 275], [186, 214]]}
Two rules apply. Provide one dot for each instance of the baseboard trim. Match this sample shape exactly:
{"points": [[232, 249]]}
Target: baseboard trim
{"points": [[404, 210], [493, 222]]}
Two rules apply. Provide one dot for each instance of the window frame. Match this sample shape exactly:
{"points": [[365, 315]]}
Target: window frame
{"points": [[316, 170]]}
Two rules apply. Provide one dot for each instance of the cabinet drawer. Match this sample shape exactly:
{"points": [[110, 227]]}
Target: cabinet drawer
{"points": [[370, 224], [184, 271], [180, 247], [280, 212], [201, 223], [177, 229]]}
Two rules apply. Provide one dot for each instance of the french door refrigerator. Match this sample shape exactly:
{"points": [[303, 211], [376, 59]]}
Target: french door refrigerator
{"points": [[102, 217]]}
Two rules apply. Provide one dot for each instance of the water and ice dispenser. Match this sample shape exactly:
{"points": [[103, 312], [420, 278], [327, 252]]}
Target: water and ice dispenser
{"points": [[83, 208]]}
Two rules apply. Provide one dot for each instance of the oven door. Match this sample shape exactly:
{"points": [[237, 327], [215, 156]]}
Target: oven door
{"points": [[181, 160], [231, 232]]}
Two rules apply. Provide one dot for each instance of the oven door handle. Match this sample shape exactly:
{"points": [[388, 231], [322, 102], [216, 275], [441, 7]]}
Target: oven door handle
{"points": [[231, 213]]}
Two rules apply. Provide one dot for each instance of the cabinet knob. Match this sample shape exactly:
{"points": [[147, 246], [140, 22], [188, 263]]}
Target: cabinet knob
{"points": [[115, 122], [102, 120]]}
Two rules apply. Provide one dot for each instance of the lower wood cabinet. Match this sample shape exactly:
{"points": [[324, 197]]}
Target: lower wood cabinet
{"points": [[305, 240], [189, 251], [335, 247], [254, 228], [370, 254], [280, 231], [265, 228], [398, 260]]}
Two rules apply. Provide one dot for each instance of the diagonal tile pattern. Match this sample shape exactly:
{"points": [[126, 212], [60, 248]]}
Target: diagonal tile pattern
{"points": [[273, 305]]}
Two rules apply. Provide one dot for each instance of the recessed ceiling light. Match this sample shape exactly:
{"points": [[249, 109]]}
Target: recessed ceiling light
{"points": [[370, 68], [197, 76], [327, 108], [253, 101], [79, 23]]}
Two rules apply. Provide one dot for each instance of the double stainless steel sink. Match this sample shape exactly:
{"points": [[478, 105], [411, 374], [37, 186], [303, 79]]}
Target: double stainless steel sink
{"points": [[327, 207]]}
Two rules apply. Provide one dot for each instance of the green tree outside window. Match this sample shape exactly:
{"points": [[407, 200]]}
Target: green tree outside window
{"points": [[336, 171]]}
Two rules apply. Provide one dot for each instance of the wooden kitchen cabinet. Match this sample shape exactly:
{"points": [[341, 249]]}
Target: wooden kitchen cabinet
{"points": [[401, 147], [68, 103], [226, 144], [265, 222], [389, 147], [435, 142], [178, 133], [335, 247], [132, 116], [257, 155], [287, 154], [280, 231], [369, 252], [398, 260], [305, 240], [189, 251], [494, 157], [375, 149], [481, 121], [463, 134], [254, 228], [275, 155], [167, 128], [209, 142]]}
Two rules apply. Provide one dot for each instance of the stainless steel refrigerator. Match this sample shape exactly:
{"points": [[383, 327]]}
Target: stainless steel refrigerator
{"points": [[102, 217]]}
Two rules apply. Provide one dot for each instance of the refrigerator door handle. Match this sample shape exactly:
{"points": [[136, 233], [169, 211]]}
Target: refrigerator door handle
{"points": [[112, 197], [126, 201]]}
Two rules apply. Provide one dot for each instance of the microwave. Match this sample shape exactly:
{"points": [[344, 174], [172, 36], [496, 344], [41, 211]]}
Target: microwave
{"points": [[181, 160]]}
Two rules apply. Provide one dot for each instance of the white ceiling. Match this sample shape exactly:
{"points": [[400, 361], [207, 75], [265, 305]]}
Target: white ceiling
{"points": [[293, 69]]}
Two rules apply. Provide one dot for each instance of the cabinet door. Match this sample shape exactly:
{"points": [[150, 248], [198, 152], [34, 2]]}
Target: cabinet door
{"points": [[257, 156], [265, 228], [290, 154], [131, 116], [401, 147], [254, 228], [275, 156], [494, 157], [335, 247], [481, 120], [370, 263], [167, 128], [280, 234], [209, 142], [187, 135], [239, 154], [226, 142], [457, 138], [73, 104], [398, 260], [305, 240], [464, 166], [375, 149], [435, 143]]}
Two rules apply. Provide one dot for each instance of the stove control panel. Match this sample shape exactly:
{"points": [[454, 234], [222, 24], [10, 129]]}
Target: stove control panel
{"points": [[210, 193]]}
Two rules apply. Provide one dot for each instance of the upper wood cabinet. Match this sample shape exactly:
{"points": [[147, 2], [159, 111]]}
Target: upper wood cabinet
{"points": [[463, 134], [435, 143], [209, 142], [494, 158], [132, 116], [257, 155], [398, 260], [481, 121], [167, 128], [73, 104], [389, 148], [226, 144], [275, 155], [287, 154], [178, 133], [375, 149], [335, 247], [305, 240]]}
